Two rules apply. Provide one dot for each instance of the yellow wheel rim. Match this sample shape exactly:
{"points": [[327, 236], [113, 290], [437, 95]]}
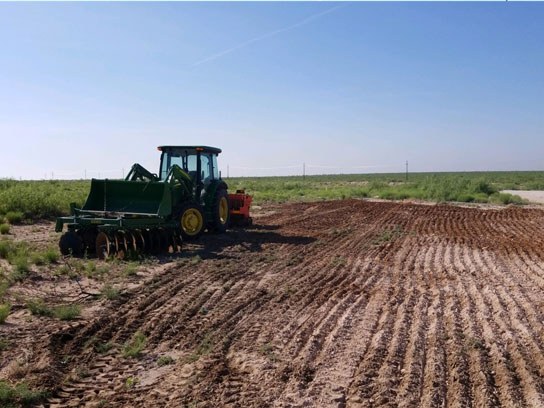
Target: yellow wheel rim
{"points": [[223, 210], [191, 221]]}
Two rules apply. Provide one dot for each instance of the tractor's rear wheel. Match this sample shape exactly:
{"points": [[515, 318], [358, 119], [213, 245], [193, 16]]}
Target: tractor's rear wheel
{"points": [[191, 220], [221, 211]]}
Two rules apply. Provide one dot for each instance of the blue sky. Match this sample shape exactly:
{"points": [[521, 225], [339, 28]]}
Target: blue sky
{"points": [[343, 87]]}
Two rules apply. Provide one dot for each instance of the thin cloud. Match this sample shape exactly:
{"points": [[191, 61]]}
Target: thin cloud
{"points": [[267, 35]]}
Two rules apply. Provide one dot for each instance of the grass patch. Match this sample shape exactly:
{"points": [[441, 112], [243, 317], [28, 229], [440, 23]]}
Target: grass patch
{"points": [[51, 255], [134, 347], [38, 308], [4, 229], [19, 395], [14, 217], [67, 312], [131, 269], [21, 268], [109, 292], [37, 258], [5, 248], [5, 309]]}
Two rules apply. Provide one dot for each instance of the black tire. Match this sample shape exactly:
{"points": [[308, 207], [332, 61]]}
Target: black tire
{"points": [[70, 243], [190, 218], [220, 211]]}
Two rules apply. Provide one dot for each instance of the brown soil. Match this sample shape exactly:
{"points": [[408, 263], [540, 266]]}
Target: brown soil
{"points": [[346, 303]]}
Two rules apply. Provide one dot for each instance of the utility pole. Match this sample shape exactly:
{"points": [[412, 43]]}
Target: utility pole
{"points": [[406, 170]]}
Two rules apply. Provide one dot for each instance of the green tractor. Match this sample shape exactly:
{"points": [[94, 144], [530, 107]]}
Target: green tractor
{"points": [[147, 212]]}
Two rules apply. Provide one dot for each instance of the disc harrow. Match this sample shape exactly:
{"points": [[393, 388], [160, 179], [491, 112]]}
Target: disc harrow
{"points": [[122, 243]]}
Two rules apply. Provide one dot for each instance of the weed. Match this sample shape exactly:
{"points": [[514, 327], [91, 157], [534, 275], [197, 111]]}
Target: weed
{"points": [[5, 249], [294, 260], [14, 217], [195, 260], [64, 270], [268, 350], [387, 235], [109, 292], [37, 259], [289, 290], [165, 360], [4, 344], [38, 308], [83, 372], [4, 229], [131, 382], [89, 269], [134, 347], [4, 285], [21, 266], [51, 255], [205, 346], [338, 261], [131, 269], [476, 343], [103, 348], [5, 309], [67, 312]]}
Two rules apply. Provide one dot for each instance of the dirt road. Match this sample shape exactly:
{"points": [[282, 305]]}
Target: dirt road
{"points": [[333, 304], [534, 196]]}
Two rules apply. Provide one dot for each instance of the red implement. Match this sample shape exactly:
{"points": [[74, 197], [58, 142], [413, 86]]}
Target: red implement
{"points": [[239, 204]]}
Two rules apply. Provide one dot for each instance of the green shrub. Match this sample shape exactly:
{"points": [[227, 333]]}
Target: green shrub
{"points": [[134, 347], [14, 217], [5, 309], [4, 229]]}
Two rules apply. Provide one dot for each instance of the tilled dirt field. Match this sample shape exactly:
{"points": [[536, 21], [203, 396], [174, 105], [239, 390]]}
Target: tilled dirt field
{"points": [[346, 303]]}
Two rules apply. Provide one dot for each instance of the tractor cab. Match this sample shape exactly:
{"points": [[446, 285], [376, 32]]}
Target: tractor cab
{"points": [[199, 162]]}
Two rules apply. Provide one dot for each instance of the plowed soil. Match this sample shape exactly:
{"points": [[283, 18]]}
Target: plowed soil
{"points": [[345, 303]]}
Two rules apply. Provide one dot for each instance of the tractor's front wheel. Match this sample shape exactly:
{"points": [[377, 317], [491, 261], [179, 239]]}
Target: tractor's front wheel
{"points": [[191, 220], [221, 211]]}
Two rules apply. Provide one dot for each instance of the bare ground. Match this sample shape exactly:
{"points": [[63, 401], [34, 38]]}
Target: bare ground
{"points": [[534, 196], [346, 303]]}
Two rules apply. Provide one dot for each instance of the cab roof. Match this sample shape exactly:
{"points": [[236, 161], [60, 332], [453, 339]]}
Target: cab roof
{"points": [[205, 149]]}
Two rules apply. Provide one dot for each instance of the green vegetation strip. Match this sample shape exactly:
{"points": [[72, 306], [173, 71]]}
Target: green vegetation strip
{"points": [[27, 201], [477, 187]]}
